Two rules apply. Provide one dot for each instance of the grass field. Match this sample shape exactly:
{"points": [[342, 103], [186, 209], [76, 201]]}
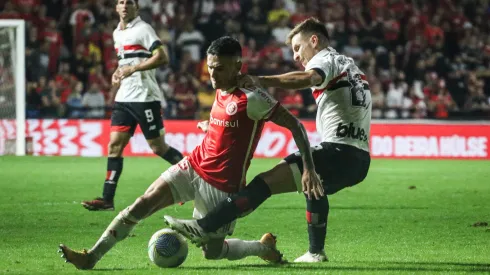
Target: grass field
{"points": [[380, 226]]}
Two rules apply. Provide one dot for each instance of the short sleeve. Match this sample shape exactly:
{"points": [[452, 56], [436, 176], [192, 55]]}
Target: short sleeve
{"points": [[150, 39], [260, 105], [323, 67]]}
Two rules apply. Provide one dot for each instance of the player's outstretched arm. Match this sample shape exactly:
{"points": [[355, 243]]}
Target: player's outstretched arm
{"points": [[311, 182], [159, 57], [292, 80]]}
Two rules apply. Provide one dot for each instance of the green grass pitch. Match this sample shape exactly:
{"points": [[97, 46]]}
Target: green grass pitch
{"points": [[381, 226]]}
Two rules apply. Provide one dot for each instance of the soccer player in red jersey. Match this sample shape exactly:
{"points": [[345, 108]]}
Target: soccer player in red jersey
{"points": [[216, 168]]}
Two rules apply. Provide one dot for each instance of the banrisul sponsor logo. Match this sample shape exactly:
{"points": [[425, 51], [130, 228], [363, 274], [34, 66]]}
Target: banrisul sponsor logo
{"points": [[223, 122], [351, 131]]}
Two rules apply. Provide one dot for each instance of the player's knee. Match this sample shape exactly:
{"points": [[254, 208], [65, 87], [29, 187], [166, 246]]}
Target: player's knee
{"points": [[115, 148]]}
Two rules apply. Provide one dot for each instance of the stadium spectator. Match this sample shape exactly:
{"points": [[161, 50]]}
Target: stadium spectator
{"points": [[378, 99], [51, 103], [256, 24], [441, 102], [185, 91], [277, 13], [292, 101], [191, 40], [33, 101], [74, 102], [94, 101], [446, 39], [205, 96]]}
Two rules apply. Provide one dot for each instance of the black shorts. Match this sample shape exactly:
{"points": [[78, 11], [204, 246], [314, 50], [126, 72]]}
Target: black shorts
{"points": [[126, 115], [338, 165]]}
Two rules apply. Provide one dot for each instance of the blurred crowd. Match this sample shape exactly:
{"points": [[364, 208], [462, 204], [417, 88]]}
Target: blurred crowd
{"points": [[422, 58]]}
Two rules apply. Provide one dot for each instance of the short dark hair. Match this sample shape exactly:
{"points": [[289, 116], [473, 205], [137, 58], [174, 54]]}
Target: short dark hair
{"points": [[310, 26], [225, 46], [135, 1]]}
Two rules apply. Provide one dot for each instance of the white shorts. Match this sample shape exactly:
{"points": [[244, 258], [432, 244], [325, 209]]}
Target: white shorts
{"points": [[186, 185]]}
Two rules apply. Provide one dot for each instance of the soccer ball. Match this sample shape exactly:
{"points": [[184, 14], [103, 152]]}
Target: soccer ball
{"points": [[167, 248]]}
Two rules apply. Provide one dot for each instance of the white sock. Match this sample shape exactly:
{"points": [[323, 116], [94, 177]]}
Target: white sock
{"points": [[235, 249], [117, 231]]}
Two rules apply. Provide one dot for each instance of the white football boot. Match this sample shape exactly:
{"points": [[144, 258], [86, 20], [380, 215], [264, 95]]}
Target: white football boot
{"points": [[312, 257], [190, 229]]}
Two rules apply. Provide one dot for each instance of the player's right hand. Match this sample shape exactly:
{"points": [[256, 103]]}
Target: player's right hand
{"points": [[247, 81], [116, 78], [312, 185], [203, 125]]}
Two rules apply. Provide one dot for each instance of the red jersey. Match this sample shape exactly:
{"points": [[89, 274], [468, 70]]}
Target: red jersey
{"points": [[235, 125]]}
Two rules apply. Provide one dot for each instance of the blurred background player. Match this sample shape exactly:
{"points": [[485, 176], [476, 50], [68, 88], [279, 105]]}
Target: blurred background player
{"points": [[342, 159], [138, 98], [216, 168]]}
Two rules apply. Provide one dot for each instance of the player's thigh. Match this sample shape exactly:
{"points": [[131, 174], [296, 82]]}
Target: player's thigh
{"points": [[338, 165], [280, 179], [349, 166], [123, 119], [295, 164], [158, 195], [182, 180], [207, 197], [213, 248], [149, 117]]}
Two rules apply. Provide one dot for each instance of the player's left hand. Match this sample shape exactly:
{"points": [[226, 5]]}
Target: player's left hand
{"points": [[126, 71], [312, 185]]}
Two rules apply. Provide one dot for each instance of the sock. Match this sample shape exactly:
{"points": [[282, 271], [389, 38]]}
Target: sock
{"points": [[114, 170], [238, 205], [172, 155], [316, 216], [117, 231], [235, 249]]}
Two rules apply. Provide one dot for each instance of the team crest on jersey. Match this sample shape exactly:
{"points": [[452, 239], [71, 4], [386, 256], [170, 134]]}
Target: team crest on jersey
{"points": [[231, 108]]}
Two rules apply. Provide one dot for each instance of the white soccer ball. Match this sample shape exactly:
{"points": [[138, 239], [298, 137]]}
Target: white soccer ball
{"points": [[167, 248]]}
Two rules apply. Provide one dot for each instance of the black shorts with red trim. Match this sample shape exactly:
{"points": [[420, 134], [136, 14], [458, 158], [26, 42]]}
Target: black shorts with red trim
{"points": [[338, 165], [148, 115]]}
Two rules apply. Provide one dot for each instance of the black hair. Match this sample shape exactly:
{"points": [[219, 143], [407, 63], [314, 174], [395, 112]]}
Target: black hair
{"points": [[135, 1], [225, 46]]}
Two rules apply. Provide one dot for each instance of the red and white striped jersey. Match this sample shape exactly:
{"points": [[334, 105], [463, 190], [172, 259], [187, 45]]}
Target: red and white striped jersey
{"points": [[235, 125], [134, 45], [343, 98]]}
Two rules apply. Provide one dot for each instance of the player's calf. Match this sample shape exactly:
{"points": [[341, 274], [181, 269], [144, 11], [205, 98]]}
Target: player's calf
{"points": [[316, 217]]}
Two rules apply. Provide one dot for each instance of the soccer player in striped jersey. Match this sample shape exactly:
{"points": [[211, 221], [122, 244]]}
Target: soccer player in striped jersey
{"points": [[342, 159], [138, 98]]}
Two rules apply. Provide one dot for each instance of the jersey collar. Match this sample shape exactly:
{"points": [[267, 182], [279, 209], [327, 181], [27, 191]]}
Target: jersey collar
{"points": [[324, 51], [131, 23]]}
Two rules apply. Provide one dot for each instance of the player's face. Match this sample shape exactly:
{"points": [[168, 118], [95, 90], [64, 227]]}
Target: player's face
{"points": [[304, 47], [223, 71], [127, 9]]}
